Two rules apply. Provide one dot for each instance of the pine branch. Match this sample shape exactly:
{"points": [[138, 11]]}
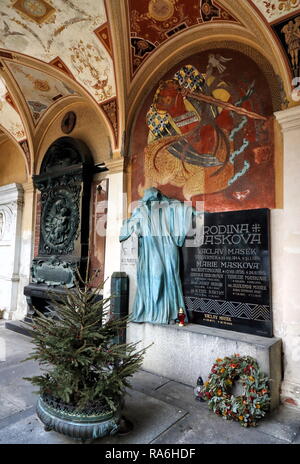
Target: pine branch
{"points": [[82, 364]]}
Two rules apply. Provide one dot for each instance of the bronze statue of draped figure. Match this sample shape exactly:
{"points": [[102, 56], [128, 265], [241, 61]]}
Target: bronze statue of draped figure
{"points": [[162, 225]]}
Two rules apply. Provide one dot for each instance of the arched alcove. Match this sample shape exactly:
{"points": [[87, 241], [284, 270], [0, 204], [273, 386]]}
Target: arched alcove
{"points": [[193, 148], [63, 218], [12, 162], [89, 127]]}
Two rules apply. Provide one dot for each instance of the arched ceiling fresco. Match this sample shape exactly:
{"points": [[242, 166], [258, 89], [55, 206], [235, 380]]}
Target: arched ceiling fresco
{"points": [[153, 22], [65, 29], [68, 35], [10, 118], [39, 89], [57, 49], [274, 9]]}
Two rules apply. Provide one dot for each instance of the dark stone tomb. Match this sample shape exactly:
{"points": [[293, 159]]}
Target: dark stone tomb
{"points": [[64, 183], [226, 281]]}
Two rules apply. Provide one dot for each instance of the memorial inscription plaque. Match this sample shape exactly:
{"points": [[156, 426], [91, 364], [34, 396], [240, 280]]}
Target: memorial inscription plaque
{"points": [[226, 281]]}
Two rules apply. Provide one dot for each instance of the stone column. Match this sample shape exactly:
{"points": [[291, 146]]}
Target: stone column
{"points": [[27, 243], [286, 257], [11, 204], [115, 215]]}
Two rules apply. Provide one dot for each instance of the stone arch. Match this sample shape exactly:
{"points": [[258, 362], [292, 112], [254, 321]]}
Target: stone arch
{"points": [[89, 127], [15, 164], [37, 131], [231, 37], [186, 166]]}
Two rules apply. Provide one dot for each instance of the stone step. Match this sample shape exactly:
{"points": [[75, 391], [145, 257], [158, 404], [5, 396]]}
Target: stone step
{"points": [[22, 327]]}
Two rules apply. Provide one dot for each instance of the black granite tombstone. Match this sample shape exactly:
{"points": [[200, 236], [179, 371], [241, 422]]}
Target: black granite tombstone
{"points": [[226, 281]]}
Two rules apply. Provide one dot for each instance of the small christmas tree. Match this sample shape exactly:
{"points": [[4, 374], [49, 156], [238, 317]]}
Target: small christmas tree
{"points": [[83, 366]]}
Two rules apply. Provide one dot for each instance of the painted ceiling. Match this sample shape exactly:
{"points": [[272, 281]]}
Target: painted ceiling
{"points": [[272, 10], [10, 119], [75, 37], [70, 35], [63, 28], [153, 22], [40, 90]]}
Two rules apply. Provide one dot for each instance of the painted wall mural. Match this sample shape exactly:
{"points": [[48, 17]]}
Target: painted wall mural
{"points": [[288, 33], [275, 9], [152, 22], [206, 133], [110, 108], [39, 89]]}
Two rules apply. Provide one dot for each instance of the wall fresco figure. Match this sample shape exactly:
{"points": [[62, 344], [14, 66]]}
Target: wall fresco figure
{"points": [[291, 33], [197, 131], [162, 225]]}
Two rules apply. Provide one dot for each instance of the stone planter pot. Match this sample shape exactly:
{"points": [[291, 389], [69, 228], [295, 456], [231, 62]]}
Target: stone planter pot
{"points": [[83, 426]]}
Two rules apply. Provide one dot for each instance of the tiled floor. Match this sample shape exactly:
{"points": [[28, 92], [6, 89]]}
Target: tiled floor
{"points": [[162, 411]]}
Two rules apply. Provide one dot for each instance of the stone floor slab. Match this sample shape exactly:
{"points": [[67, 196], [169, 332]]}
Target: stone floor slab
{"points": [[204, 427], [14, 388], [283, 423], [17, 346], [30, 431], [7, 408], [151, 417], [162, 411], [175, 393], [147, 382]]}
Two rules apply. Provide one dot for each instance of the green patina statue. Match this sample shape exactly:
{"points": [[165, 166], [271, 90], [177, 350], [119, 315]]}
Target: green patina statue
{"points": [[162, 225]]}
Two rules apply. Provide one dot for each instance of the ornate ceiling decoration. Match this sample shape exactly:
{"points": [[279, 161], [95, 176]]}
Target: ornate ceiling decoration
{"points": [[273, 10], [75, 37], [284, 19], [63, 29], [153, 22], [11, 123], [9, 117], [70, 35], [40, 90], [37, 10]]}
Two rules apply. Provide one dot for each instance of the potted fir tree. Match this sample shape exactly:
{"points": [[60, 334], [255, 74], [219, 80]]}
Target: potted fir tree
{"points": [[82, 386]]}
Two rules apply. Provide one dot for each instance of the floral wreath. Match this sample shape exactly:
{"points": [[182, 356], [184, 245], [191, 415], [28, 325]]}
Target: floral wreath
{"points": [[248, 408]]}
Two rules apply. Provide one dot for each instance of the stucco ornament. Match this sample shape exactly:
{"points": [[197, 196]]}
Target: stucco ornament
{"points": [[8, 214]]}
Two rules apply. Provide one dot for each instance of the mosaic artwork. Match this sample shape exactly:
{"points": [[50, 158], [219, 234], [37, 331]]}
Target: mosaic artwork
{"points": [[206, 133]]}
